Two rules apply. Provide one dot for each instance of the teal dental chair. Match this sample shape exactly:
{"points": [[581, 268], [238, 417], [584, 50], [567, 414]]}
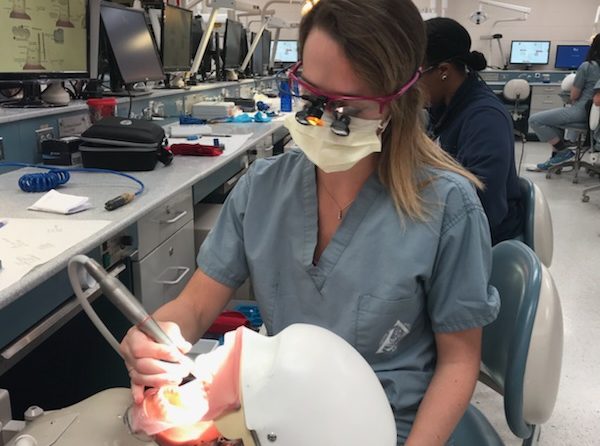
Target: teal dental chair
{"points": [[537, 232], [521, 350]]}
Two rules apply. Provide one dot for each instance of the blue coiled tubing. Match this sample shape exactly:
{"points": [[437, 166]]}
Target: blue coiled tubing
{"points": [[43, 182]]}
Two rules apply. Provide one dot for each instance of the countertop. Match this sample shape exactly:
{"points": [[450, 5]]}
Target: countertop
{"points": [[161, 183]]}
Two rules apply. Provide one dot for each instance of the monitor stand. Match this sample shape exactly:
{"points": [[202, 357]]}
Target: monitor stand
{"points": [[175, 81], [231, 75], [56, 94], [119, 88], [32, 98]]}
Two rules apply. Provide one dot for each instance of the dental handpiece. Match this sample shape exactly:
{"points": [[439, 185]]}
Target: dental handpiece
{"points": [[132, 309]]}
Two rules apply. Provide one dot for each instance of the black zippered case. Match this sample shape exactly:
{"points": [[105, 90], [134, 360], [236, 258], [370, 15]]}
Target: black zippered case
{"points": [[124, 144]]}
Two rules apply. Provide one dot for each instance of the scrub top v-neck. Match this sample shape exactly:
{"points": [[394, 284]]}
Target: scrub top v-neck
{"points": [[385, 283], [353, 217]]}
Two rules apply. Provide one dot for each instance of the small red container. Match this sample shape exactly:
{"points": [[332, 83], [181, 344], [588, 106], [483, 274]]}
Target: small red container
{"points": [[101, 108], [228, 321]]}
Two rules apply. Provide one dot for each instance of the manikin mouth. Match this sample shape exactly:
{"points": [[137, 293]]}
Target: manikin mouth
{"points": [[184, 415]]}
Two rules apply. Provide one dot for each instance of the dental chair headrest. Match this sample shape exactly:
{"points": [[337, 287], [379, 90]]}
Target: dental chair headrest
{"points": [[567, 82], [516, 89]]}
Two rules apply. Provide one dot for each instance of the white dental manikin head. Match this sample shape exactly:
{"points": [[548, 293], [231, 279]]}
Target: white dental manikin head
{"points": [[305, 386]]}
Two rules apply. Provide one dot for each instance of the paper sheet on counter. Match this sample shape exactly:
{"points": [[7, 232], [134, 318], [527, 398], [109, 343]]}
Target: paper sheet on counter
{"points": [[232, 143], [54, 201], [27, 243]]}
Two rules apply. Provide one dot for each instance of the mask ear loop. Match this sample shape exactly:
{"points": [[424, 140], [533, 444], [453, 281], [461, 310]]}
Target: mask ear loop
{"points": [[383, 125]]}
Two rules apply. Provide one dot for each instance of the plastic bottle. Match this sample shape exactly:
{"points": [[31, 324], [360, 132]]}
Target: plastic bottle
{"points": [[285, 97]]}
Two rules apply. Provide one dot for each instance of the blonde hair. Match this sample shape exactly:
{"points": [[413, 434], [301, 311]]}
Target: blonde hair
{"points": [[385, 42]]}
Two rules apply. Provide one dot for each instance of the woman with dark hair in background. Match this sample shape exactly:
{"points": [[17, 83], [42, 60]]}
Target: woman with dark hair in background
{"points": [[472, 124], [550, 125]]}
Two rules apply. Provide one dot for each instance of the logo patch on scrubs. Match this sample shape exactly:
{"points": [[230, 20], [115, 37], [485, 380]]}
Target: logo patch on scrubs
{"points": [[389, 343]]}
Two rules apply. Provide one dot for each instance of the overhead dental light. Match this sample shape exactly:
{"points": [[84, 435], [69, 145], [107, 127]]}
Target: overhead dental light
{"points": [[278, 24], [216, 5], [479, 16], [308, 5]]}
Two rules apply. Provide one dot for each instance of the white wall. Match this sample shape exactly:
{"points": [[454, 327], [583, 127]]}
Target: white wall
{"points": [[560, 21]]}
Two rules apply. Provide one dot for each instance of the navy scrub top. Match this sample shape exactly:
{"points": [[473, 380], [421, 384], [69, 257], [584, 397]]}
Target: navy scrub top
{"points": [[383, 283]]}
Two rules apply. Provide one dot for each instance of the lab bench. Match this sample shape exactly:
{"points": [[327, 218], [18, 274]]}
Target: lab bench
{"points": [[151, 239], [18, 126]]}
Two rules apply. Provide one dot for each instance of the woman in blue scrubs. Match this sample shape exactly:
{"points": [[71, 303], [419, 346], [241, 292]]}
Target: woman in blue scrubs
{"points": [[370, 230]]}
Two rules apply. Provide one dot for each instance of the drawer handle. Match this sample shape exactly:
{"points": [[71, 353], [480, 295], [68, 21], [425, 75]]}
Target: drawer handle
{"points": [[184, 270], [176, 218]]}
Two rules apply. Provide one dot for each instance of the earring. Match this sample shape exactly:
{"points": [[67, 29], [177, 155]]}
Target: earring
{"points": [[444, 77]]}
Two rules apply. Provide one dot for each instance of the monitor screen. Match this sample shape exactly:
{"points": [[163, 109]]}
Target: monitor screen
{"points": [[266, 48], [44, 39], [257, 59], [529, 52], [287, 51], [570, 56], [176, 38], [131, 44], [233, 44]]}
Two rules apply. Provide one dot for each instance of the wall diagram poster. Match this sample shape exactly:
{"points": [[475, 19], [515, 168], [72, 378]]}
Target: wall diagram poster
{"points": [[43, 35]]}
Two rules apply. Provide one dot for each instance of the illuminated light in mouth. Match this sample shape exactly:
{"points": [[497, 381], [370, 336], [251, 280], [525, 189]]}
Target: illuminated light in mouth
{"points": [[313, 120], [168, 405], [184, 415]]}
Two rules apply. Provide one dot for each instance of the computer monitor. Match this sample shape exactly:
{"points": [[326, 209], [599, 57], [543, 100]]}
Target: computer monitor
{"points": [[43, 40], [569, 57], [232, 47], [131, 47], [266, 48], [287, 51], [176, 39], [257, 57], [529, 52]]}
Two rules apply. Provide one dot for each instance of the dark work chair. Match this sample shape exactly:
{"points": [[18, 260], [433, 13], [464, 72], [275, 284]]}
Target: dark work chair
{"points": [[538, 232], [521, 350]]}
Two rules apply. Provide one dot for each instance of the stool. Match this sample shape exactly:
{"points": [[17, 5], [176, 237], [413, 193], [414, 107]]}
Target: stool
{"points": [[584, 194], [580, 130]]}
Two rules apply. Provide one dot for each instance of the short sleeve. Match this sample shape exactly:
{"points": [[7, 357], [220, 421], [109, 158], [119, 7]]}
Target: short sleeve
{"points": [[581, 75], [222, 255], [459, 296]]}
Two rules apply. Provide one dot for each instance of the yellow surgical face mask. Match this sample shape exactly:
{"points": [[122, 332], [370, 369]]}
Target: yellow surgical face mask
{"points": [[333, 153]]}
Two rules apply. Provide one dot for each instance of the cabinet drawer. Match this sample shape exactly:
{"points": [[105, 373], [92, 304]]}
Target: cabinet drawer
{"points": [[163, 221], [546, 101], [161, 276], [545, 89]]}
